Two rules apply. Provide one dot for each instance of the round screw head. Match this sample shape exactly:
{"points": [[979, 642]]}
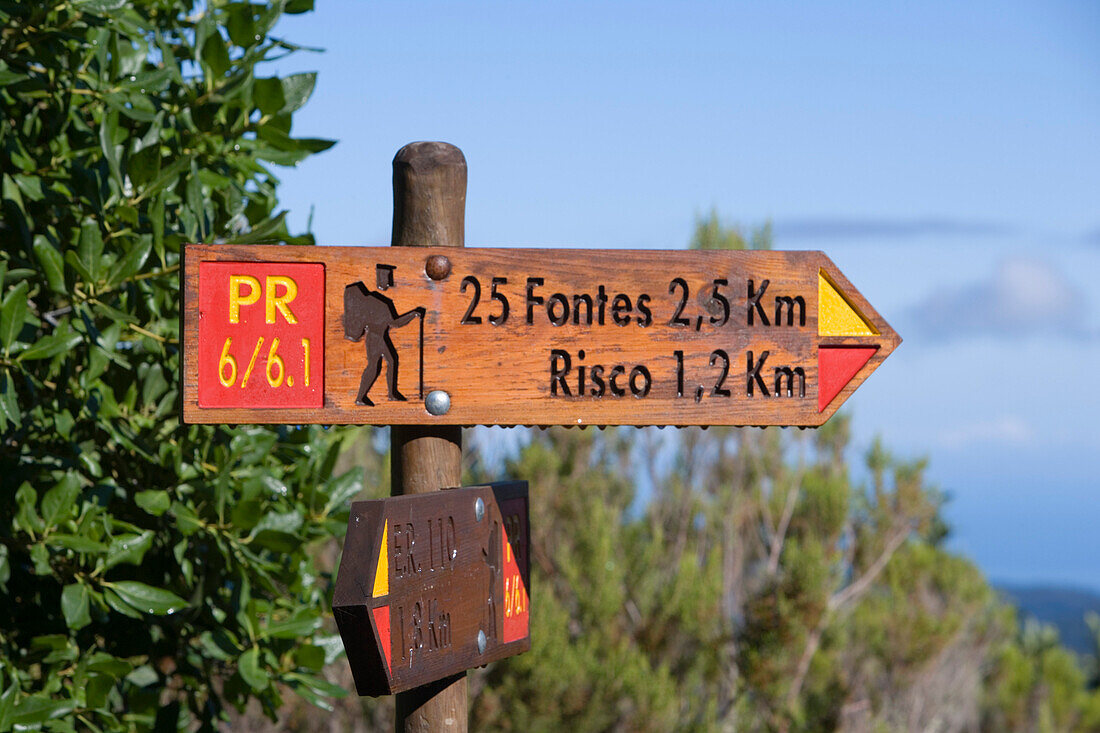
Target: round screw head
{"points": [[437, 267], [479, 509], [437, 402], [482, 642]]}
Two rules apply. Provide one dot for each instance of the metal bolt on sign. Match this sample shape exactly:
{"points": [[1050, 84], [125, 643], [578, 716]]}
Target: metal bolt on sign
{"points": [[437, 402]]}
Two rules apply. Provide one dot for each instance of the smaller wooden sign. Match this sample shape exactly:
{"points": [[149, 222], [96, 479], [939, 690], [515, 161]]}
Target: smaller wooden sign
{"points": [[431, 585]]}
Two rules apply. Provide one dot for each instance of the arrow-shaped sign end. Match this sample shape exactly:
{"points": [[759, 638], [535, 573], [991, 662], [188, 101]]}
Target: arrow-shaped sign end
{"points": [[853, 339]]}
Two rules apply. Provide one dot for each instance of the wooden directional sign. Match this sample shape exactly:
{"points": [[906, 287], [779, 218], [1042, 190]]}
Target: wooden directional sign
{"points": [[411, 335], [433, 584]]}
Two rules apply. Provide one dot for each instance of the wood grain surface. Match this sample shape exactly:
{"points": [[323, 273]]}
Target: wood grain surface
{"points": [[655, 313]]}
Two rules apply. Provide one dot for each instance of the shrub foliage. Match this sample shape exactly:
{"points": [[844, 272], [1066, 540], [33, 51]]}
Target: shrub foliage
{"points": [[149, 572]]}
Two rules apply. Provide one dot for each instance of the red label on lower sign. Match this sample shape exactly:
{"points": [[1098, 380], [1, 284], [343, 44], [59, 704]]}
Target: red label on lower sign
{"points": [[261, 334], [516, 598]]}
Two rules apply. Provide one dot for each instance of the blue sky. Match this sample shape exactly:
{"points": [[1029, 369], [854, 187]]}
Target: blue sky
{"points": [[945, 156]]}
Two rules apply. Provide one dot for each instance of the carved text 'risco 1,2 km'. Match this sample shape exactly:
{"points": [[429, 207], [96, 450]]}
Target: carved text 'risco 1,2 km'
{"points": [[572, 376]]}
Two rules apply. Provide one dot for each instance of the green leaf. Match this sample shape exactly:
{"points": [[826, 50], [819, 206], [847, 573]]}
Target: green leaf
{"points": [[10, 192], [310, 657], [342, 488], [9, 403], [33, 711], [251, 671], [51, 642], [215, 54], [297, 89], [282, 542], [278, 531], [144, 165], [133, 261], [282, 141], [289, 158], [31, 186], [156, 214], [274, 485], [63, 422], [154, 501], [115, 601], [51, 262], [246, 514], [133, 105], [21, 158], [100, 7], [128, 548], [317, 684], [153, 383], [108, 128], [7, 78], [26, 515], [129, 215], [7, 706], [166, 178], [143, 676], [187, 521], [50, 346], [152, 81], [307, 694], [97, 688], [213, 180], [89, 250], [299, 626], [74, 605], [293, 7], [108, 665], [333, 646], [220, 644], [74, 261], [146, 598], [40, 559], [195, 200], [268, 95], [76, 543], [13, 311], [59, 500], [265, 230], [241, 24]]}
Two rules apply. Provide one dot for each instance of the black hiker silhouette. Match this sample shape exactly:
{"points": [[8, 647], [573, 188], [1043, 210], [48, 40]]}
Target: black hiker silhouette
{"points": [[369, 316]]}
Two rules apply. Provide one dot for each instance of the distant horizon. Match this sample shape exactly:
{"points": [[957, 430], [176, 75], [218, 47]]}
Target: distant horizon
{"points": [[1045, 585]]}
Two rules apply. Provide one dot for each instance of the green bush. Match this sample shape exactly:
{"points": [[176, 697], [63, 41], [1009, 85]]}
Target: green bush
{"points": [[149, 572]]}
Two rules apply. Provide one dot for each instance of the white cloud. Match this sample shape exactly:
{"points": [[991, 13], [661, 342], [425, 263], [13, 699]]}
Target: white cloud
{"points": [[1023, 297], [1006, 430]]}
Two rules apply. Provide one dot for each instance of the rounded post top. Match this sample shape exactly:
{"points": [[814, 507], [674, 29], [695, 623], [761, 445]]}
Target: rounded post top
{"points": [[426, 155], [429, 195]]}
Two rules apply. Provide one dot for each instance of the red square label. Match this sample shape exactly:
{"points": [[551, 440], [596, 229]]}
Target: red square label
{"points": [[261, 334]]}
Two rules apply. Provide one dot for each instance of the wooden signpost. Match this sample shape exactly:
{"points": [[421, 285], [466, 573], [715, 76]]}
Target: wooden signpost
{"points": [[433, 336], [427, 336], [433, 584]]}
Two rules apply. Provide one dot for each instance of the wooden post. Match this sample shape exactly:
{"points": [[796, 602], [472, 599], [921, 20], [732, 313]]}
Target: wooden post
{"points": [[429, 209]]}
